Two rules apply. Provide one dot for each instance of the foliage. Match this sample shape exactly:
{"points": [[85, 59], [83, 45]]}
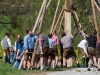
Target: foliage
{"points": [[18, 15]]}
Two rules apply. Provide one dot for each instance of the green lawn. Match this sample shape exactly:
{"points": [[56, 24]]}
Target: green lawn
{"points": [[6, 69]]}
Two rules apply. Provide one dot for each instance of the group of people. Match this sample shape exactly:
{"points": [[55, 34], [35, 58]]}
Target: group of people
{"points": [[47, 50]]}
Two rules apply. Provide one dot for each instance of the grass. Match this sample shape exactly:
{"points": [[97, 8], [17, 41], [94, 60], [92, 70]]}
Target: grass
{"points": [[6, 69]]}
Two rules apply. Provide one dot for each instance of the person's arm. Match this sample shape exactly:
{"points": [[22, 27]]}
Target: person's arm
{"points": [[25, 44], [9, 42], [17, 54], [40, 44]]}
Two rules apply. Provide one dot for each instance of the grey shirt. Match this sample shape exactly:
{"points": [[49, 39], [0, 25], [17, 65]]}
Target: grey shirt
{"points": [[5, 43], [66, 41]]}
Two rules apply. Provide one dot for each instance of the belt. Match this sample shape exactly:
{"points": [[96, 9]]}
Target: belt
{"points": [[30, 49], [68, 47]]}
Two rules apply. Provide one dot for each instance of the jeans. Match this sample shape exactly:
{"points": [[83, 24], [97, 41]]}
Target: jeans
{"points": [[13, 59], [18, 62]]}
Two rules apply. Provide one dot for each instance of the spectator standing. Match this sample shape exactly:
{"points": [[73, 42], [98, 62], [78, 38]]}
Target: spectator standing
{"points": [[6, 44]]}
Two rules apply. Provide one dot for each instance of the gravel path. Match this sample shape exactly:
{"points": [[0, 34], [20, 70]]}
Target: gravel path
{"points": [[76, 71]]}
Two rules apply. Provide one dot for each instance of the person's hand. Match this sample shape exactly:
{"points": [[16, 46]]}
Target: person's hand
{"points": [[26, 51], [16, 57], [87, 55]]}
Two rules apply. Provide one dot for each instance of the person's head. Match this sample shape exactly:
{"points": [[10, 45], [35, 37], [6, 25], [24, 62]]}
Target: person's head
{"points": [[38, 32], [20, 41], [29, 31], [50, 35], [18, 36], [7, 35], [63, 34], [94, 32]]}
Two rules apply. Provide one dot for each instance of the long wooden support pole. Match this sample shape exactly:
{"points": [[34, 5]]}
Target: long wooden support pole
{"points": [[33, 31], [54, 17], [60, 25], [86, 10], [73, 15], [42, 16], [41, 12], [95, 19], [36, 44], [58, 19], [38, 16], [97, 6], [80, 26]]}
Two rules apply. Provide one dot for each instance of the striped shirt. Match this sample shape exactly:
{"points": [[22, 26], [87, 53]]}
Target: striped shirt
{"points": [[66, 41]]}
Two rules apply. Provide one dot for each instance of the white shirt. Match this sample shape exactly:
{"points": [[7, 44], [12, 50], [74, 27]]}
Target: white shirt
{"points": [[84, 45], [8, 40]]}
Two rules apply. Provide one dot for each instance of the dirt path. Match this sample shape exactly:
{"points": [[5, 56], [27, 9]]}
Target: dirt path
{"points": [[77, 71]]}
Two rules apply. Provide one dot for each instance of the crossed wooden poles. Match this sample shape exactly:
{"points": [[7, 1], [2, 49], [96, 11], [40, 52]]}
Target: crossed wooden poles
{"points": [[40, 17]]}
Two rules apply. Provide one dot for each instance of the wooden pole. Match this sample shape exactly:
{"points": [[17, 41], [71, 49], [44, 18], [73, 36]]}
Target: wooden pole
{"points": [[55, 16], [67, 25], [21, 63], [95, 19], [76, 25], [48, 4], [80, 26], [58, 20], [86, 10], [97, 6], [42, 16], [41, 12], [67, 12], [91, 21], [60, 25], [36, 44], [33, 31], [38, 16]]}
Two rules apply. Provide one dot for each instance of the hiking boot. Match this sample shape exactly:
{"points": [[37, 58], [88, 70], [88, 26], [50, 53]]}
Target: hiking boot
{"points": [[88, 69]]}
